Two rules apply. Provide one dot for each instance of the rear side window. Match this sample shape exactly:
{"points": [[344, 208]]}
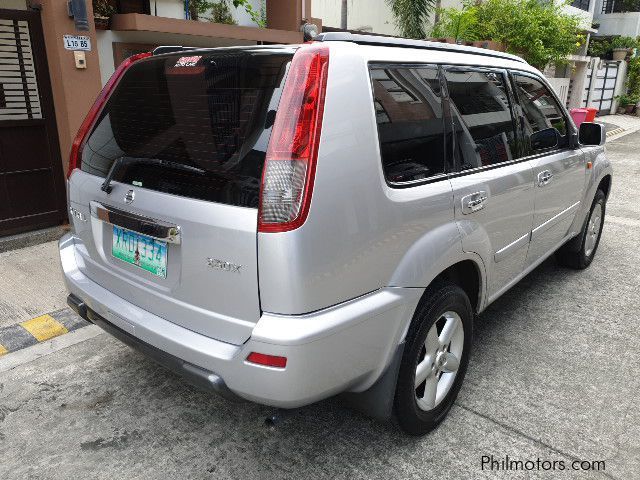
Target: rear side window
{"points": [[194, 125], [543, 124], [482, 121], [408, 111]]}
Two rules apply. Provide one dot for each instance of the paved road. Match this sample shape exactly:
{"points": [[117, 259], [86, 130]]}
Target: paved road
{"points": [[554, 375]]}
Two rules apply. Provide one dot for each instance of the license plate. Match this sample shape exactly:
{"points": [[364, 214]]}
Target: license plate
{"points": [[140, 250]]}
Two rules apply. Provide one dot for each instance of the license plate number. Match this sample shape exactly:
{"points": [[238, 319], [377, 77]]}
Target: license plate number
{"points": [[140, 250]]}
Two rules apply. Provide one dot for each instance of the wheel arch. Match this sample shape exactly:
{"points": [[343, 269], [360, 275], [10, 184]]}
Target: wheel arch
{"points": [[467, 274], [605, 185]]}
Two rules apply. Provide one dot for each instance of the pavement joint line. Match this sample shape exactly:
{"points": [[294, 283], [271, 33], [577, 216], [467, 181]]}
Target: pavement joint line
{"points": [[526, 436], [38, 329]]}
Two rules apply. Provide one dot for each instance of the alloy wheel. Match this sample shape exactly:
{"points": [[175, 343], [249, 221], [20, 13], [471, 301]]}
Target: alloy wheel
{"points": [[439, 360]]}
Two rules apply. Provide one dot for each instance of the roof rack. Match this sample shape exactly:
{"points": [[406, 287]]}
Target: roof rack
{"points": [[384, 41]]}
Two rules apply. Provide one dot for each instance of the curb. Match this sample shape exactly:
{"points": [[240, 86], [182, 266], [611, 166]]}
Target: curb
{"points": [[615, 131], [28, 239], [39, 329]]}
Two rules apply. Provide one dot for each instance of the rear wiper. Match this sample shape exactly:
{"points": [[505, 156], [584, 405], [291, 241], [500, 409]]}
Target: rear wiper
{"points": [[121, 161]]}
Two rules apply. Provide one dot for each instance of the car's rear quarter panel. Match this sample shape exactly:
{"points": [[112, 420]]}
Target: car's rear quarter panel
{"points": [[361, 234]]}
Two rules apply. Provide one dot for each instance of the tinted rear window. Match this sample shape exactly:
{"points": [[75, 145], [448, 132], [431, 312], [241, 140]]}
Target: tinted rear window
{"points": [[410, 121], [211, 111]]}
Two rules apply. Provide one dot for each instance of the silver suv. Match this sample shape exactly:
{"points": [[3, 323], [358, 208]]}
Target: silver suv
{"points": [[282, 224]]}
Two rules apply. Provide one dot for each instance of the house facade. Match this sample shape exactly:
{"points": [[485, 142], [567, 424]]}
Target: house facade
{"points": [[617, 17]]}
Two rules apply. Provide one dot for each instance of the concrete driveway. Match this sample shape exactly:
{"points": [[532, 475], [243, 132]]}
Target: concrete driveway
{"points": [[554, 376]]}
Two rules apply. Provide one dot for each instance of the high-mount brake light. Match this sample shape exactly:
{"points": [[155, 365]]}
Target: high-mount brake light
{"points": [[89, 121], [290, 163]]}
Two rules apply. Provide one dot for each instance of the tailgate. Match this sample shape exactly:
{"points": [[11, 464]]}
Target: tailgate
{"points": [[182, 141]]}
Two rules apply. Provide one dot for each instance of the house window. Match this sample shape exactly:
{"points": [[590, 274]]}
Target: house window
{"points": [[581, 4], [617, 6]]}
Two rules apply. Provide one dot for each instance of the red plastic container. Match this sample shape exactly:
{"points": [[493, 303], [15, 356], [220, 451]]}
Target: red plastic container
{"points": [[579, 115], [591, 114]]}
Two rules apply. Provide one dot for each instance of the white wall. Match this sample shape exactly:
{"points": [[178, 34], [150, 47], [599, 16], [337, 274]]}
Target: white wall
{"points": [[586, 17], [625, 24], [175, 9], [374, 14], [167, 8]]}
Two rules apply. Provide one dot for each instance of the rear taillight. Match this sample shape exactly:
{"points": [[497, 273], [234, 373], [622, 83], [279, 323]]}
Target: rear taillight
{"points": [[94, 112], [290, 164]]}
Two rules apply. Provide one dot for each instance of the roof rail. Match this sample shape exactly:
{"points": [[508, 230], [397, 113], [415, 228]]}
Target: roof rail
{"points": [[170, 49], [384, 41]]}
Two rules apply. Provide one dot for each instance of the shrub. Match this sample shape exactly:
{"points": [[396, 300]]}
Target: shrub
{"points": [[541, 32], [624, 42], [633, 78]]}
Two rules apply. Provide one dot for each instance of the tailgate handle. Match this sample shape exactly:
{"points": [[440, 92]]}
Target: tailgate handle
{"points": [[156, 229]]}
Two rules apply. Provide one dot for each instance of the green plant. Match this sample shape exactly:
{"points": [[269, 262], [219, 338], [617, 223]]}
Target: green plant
{"points": [[541, 32], [220, 13], [103, 9], [633, 78], [200, 8], [625, 100], [411, 16], [599, 47], [458, 24], [624, 42]]}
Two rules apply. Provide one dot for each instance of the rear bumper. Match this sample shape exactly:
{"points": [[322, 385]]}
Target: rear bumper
{"points": [[343, 348]]}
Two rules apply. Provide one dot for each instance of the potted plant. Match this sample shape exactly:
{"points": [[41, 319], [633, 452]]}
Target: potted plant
{"points": [[102, 13], [626, 103], [621, 47]]}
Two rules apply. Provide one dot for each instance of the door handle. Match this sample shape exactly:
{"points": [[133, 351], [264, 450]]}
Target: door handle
{"points": [[544, 177], [474, 202]]}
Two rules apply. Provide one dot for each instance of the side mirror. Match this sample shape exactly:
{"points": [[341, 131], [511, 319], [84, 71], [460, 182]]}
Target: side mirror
{"points": [[592, 134], [547, 138]]}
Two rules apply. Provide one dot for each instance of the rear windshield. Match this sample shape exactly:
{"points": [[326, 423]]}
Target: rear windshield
{"points": [[195, 124]]}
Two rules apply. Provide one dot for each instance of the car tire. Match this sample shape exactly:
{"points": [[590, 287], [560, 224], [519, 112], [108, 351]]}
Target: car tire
{"points": [[578, 253], [419, 409]]}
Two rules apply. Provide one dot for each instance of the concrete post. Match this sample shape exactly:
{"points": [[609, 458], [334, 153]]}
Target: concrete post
{"points": [[578, 84], [620, 86], [288, 14], [74, 90]]}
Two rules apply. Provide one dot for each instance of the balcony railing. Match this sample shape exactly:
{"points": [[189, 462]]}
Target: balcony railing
{"points": [[582, 4], [619, 6]]}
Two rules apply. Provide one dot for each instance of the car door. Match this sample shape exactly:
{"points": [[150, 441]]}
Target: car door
{"points": [[558, 167], [492, 186]]}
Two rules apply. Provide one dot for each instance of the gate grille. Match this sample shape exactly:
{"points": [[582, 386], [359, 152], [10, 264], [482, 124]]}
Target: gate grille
{"points": [[19, 98]]}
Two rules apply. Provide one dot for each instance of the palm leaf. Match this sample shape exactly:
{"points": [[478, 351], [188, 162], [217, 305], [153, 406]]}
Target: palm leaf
{"points": [[411, 16]]}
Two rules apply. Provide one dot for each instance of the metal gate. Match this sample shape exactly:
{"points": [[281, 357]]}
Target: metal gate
{"points": [[600, 93], [31, 179]]}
